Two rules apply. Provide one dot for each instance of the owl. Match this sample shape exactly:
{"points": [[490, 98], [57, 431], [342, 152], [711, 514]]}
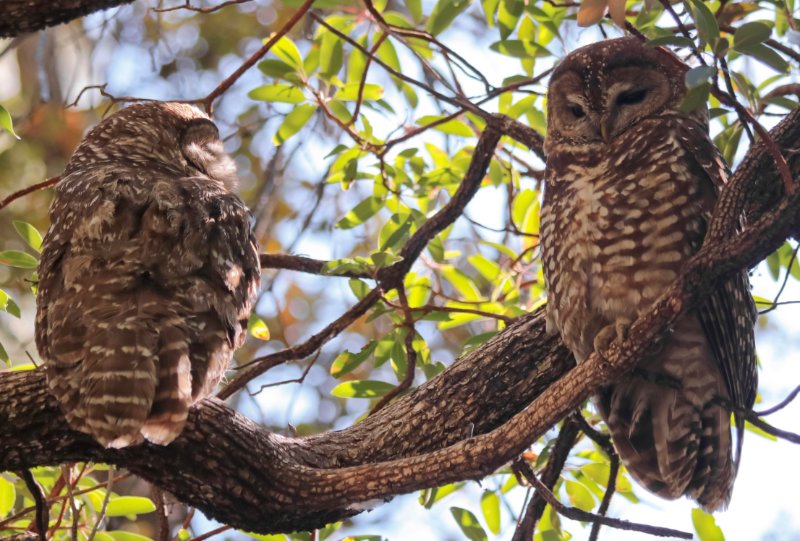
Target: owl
{"points": [[147, 275], [630, 182]]}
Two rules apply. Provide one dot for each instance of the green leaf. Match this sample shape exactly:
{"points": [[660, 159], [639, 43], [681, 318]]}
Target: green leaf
{"points": [[415, 9], [8, 495], [5, 358], [518, 48], [29, 234], [349, 92], [15, 258], [443, 14], [358, 287], [463, 283], [766, 55], [488, 269], [706, 23], [294, 122], [5, 122], [129, 505], [706, 527], [257, 328], [286, 50], [699, 76], [362, 389], [277, 93], [695, 98], [331, 54], [275, 68], [490, 505], [346, 361], [469, 525], [452, 127], [675, 41], [121, 535], [751, 34], [363, 211], [579, 496]]}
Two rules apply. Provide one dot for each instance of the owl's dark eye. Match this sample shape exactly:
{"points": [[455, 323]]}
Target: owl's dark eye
{"points": [[576, 110], [631, 97]]}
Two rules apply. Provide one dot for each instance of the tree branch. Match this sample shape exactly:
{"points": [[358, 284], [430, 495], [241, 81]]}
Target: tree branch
{"points": [[23, 16]]}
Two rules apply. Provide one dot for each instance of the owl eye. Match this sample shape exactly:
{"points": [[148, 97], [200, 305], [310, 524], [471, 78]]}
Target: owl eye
{"points": [[576, 110], [631, 97]]}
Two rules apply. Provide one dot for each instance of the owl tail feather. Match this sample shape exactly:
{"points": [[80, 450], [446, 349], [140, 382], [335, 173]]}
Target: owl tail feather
{"points": [[669, 445], [119, 383], [174, 392]]}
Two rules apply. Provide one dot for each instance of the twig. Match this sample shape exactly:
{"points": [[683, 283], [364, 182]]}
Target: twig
{"points": [[304, 264], [30, 189], [552, 471], [212, 533], [769, 429], [102, 513], [611, 487], [211, 9], [411, 353], [42, 510], [782, 404], [223, 87], [577, 514], [388, 277], [163, 515]]}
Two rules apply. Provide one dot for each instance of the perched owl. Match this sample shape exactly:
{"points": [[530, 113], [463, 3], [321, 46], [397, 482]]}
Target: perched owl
{"points": [[631, 180], [147, 276]]}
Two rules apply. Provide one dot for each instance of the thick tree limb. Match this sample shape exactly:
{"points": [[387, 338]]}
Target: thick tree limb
{"points": [[23, 16], [471, 419]]}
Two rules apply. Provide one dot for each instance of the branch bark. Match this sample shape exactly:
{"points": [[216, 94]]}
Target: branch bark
{"points": [[23, 16], [474, 417]]}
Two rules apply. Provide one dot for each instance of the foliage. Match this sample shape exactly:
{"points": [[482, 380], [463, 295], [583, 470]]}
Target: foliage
{"points": [[357, 127]]}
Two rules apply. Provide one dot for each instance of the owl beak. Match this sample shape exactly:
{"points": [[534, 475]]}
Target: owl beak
{"points": [[605, 130]]}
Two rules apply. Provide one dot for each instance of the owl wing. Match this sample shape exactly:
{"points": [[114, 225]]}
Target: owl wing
{"points": [[728, 314], [144, 284]]}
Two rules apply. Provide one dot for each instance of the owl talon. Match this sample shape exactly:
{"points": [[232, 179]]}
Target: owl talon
{"points": [[617, 330]]}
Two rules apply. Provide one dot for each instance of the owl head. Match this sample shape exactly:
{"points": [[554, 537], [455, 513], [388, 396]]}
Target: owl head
{"points": [[603, 89], [175, 137]]}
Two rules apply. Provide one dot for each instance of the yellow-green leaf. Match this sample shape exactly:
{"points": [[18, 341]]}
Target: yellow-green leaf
{"points": [[360, 213], [29, 234], [257, 327], [8, 495], [706, 527], [579, 495], [349, 92], [6, 123], [443, 14], [286, 50], [15, 258], [278, 93], [129, 505], [294, 122], [490, 505], [362, 389], [469, 524]]}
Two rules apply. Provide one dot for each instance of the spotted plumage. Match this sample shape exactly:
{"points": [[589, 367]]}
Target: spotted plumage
{"points": [[147, 276], [631, 181]]}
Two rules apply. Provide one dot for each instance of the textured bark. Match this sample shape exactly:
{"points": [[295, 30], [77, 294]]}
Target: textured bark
{"points": [[22, 16], [243, 475], [474, 417]]}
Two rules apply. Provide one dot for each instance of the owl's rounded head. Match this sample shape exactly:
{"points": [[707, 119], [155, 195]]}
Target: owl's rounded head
{"points": [[601, 90], [175, 137]]}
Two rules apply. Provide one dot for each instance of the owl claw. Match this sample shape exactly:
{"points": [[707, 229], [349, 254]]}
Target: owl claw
{"points": [[606, 336]]}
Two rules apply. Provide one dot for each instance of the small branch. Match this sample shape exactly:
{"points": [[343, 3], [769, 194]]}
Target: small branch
{"points": [[101, 515], [255, 57], [611, 487], [42, 509], [769, 429], [782, 404], [577, 514], [552, 471], [304, 264], [30, 189], [411, 353], [189, 7]]}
